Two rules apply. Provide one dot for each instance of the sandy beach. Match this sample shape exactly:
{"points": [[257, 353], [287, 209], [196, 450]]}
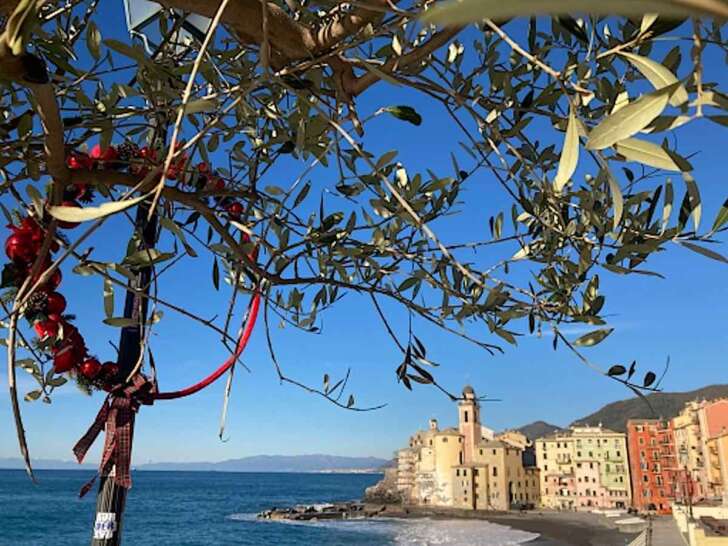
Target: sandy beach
{"points": [[554, 528]]}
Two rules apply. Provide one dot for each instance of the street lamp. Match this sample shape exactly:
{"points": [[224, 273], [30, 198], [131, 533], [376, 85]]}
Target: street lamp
{"points": [[140, 13]]}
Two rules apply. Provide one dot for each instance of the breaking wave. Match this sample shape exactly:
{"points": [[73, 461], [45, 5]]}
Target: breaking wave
{"points": [[417, 532]]}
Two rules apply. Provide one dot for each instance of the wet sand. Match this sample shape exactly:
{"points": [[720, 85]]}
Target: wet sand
{"points": [[554, 528]]}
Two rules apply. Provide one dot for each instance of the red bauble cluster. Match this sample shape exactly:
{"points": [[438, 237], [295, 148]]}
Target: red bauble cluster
{"points": [[56, 335], [139, 161]]}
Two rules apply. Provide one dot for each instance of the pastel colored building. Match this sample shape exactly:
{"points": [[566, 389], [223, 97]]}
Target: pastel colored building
{"points": [[718, 462], [584, 468], [694, 427], [653, 465], [466, 467]]}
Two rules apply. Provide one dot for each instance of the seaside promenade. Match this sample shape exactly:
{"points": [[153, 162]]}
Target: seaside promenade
{"points": [[666, 533]]}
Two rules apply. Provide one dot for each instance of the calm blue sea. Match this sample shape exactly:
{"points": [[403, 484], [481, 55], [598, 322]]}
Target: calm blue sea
{"points": [[210, 508]]}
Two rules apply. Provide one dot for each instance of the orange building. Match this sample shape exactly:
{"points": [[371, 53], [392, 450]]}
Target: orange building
{"points": [[652, 461]]}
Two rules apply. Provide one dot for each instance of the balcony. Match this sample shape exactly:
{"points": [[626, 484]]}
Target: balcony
{"points": [[563, 459]]}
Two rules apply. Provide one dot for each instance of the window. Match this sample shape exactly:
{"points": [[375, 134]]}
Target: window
{"points": [[465, 472], [495, 471], [475, 471], [466, 416], [457, 472], [444, 440]]}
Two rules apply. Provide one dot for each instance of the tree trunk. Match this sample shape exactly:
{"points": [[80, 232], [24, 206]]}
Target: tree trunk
{"points": [[111, 498]]}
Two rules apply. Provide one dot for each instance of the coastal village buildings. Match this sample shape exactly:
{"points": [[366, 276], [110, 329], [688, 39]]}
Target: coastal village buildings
{"points": [[659, 465], [467, 467], [696, 427], [584, 468], [653, 465]]}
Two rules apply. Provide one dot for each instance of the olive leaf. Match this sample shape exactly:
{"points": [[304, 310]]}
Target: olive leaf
{"points": [[84, 214], [405, 113], [647, 153], [593, 338], [460, 12], [108, 298], [721, 218], [569, 154], [629, 119], [658, 75], [705, 252]]}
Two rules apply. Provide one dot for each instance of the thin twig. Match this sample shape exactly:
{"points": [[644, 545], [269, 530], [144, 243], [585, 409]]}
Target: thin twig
{"points": [[185, 99]]}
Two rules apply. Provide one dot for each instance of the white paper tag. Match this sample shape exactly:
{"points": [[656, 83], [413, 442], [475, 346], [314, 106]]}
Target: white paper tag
{"points": [[105, 525]]}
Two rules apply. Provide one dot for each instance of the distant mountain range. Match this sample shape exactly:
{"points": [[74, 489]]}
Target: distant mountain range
{"points": [[614, 416], [258, 463]]}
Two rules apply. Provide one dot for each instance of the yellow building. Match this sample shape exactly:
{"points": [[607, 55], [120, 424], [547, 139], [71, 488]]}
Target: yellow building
{"points": [[465, 467], [718, 463], [688, 445], [695, 427], [584, 468]]}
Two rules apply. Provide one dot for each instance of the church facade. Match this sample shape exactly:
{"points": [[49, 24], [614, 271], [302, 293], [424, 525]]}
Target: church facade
{"points": [[466, 466]]}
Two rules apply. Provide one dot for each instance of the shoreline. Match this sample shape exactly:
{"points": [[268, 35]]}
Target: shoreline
{"points": [[554, 528]]}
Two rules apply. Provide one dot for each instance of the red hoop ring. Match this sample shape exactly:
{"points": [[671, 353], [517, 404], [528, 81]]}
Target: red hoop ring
{"points": [[250, 320]]}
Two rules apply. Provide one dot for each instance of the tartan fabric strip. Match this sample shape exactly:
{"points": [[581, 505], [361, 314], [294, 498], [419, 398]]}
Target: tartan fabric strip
{"points": [[117, 415]]}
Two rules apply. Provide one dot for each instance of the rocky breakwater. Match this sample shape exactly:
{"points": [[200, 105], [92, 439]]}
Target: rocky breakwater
{"points": [[385, 491], [318, 512]]}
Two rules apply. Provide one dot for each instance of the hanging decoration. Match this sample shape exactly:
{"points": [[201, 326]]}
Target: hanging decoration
{"points": [[61, 340]]}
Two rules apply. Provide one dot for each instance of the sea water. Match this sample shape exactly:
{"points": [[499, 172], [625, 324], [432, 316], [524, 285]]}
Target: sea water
{"points": [[215, 508]]}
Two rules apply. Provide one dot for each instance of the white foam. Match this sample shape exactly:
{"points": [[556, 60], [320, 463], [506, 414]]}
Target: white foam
{"points": [[459, 533], [419, 532]]}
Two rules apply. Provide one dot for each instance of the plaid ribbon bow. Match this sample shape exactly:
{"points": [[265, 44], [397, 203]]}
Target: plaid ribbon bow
{"points": [[117, 415]]}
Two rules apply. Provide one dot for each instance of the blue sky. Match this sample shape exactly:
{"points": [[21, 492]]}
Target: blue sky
{"points": [[683, 316]]}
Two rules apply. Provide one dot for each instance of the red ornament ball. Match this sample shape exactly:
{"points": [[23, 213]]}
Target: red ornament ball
{"points": [[234, 209], [55, 279], [90, 368], [109, 154], [110, 370], [20, 247], [65, 359], [46, 329], [77, 161], [55, 303], [53, 282]]}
